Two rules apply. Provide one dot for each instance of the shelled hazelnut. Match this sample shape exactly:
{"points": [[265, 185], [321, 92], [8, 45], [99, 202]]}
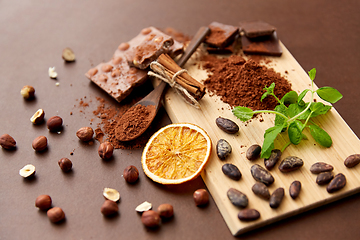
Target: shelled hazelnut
{"points": [[109, 208], [201, 197], [7, 142], [85, 134], [55, 214], [131, 174], [54, 123], [150, 219], [65, 164], [165, 210], [40, 143], [38, 117], [106, 150], [43, 202], [27, 171], [28, 92]]}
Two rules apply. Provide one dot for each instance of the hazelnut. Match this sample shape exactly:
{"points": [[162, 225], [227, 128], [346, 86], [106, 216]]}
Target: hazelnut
{"points": [[131, 174], [68, 55], [43, 202], [52, 73], [85, 134], [28, 92], [65, 164], [109, 208], [40, 143], [27, 171], [150, 219], [145, 206], [38, 117], [111, 194], [106, 150], [54, 123], [7, 142], [165, 210], [201, 197], [56, 214]]}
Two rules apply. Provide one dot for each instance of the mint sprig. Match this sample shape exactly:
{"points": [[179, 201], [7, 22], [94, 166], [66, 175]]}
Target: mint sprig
{"points": [[293, 115]]}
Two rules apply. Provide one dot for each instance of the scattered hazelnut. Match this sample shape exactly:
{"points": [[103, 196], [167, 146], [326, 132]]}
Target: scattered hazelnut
{"points": [[131, 174], [52, 73], [43, 202], [7, 142], [85, 134], [109, 208], [54, 123], [40, 143], [38, 117], [150, 219], [27, 171], [65, 164], [145, 206], [68, 55], [165, 210], [111, 194], [106, 150], [28, 92], [201, 197], [56, 214]]}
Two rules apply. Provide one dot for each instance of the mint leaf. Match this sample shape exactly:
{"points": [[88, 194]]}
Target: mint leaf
{"points": [[243, 113], [319, 109], [290, 97], [302, 95], [329, 94], [270, 89], [269, 138], [295, 132], [295, 109], [264, 95], [279, 120], [312, 74], [320, 136]]}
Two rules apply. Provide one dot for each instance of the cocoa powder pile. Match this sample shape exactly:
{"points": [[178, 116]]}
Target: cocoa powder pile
{"points": [[241, 82]]}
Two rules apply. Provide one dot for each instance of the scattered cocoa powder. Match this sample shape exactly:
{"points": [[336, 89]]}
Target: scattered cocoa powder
{"points": [[241, 82]]}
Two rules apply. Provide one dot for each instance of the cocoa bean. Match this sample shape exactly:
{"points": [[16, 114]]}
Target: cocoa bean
{"points": [[253, 152], [294, 189], [227, 125], [277, 197], [223, 149], [237, 198], [290, 163], [260, 189], [320, 167], [324, 178], [352, 160], [231, 171], [248, 214], [273, 159], [337, 183], [260, 174]]}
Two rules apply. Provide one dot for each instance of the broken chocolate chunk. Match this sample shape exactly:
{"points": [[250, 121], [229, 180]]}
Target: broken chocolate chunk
{"points": [[256, 29], [221, 35], [266, 45]]}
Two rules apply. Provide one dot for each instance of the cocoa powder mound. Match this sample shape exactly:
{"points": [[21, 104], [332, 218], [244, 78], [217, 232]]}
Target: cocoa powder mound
{"points": [[241, 82]]}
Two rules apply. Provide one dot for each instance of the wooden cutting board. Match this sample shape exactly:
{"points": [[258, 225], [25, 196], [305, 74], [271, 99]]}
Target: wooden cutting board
{"points": [[345, 143]]}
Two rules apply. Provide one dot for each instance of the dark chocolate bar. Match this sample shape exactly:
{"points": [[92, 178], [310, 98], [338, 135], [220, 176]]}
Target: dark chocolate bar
{"points": [[116, 77], [256, 29], [266, 45], [146, 47], [221, 35]]}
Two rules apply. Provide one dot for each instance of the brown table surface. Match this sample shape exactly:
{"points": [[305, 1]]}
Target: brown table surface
{"points": [[321, 34]]}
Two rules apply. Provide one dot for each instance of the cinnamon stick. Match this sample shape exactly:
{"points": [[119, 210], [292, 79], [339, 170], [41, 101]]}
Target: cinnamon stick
{"points": [[194, 87]]}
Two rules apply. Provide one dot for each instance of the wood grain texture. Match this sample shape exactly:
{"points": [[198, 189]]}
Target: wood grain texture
{"points": [[345, 143]]}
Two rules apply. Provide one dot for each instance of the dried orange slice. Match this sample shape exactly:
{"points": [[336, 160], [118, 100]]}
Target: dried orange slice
{"points": [[177, 153]]}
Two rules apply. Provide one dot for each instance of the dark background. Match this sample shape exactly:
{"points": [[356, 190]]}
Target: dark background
{"points": [[320, 34]]}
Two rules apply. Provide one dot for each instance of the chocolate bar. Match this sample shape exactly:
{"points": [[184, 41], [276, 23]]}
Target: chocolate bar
{"points": [[256, 29], [221, 35], [266, 45], [146, 47], [116, 77]]}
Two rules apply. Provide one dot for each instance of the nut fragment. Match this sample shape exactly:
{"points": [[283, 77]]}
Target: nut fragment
{"points": [[40, 143], [52, 73], [27, 171], [56, 214], [111, 194], [150, 219], [109, 208], [54, 123], [38, 117], [7, 142], [85, 134], [201, 197], [106, 150], [28, 92], [43, 202], [145, 206], [65, 164], [131, 174], [165, 210], [68, 55]]}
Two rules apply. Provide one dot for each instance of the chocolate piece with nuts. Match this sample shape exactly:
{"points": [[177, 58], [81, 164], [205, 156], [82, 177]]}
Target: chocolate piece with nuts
{"points": [[7, 142]]}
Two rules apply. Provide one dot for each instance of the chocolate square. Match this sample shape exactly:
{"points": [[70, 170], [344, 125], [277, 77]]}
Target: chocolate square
{"points": [[267, 45], [256, 29], [221, 35]]}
